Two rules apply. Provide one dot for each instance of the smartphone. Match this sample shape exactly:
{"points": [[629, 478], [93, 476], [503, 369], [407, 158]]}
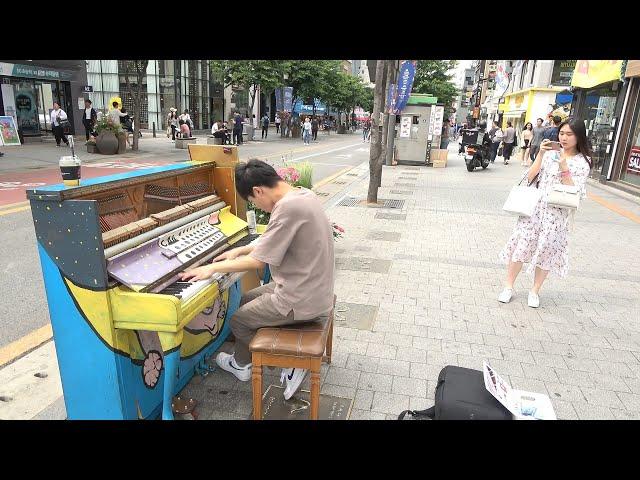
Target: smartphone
{"points": [[555, 145]]}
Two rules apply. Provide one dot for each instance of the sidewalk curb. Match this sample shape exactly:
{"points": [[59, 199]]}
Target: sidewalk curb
{"points": [[614, 191]]}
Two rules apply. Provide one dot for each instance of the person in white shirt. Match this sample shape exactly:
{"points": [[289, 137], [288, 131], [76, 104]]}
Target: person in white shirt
{"points": [[56, 116], [186, 118], [89, 118], [307, 131], [214, 128], [115, 114], [278, 123]]}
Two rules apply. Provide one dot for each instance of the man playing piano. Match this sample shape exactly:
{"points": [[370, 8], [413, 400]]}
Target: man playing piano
{"points": [[298, 247]]}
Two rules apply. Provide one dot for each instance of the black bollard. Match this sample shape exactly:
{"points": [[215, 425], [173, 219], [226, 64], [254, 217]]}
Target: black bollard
{"points": [[154, 129]]}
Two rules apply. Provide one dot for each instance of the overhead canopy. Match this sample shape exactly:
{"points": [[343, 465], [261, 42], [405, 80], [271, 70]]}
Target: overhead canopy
{"points": [[514, 113]]}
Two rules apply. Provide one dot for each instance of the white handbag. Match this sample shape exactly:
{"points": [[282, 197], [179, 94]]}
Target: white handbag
{"points": [[564, 196], [522, 200]]}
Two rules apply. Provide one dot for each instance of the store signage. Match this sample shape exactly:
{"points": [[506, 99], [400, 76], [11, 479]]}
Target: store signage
{"points": [[87, 88], [405, 127], [562, 72], [437, 127], [391, 98], [633, 165], [32, 71], [589, 73]]}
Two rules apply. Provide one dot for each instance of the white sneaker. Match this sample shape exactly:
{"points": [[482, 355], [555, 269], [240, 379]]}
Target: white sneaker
{"points": [[227, 362], [534, 300], [505, 295], [294, 378]]}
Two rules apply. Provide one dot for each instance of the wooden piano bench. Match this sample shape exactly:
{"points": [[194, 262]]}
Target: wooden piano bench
{"points": [[306, 345]]}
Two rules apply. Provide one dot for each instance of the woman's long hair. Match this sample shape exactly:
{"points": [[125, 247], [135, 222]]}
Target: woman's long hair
{"points": [[525, 127], [583, 144]]}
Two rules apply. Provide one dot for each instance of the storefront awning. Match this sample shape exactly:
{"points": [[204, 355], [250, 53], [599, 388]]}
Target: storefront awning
{"points": [[514, 114]]}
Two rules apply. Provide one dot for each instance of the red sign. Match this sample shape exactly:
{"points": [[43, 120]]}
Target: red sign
{"points": [[633, 165]]}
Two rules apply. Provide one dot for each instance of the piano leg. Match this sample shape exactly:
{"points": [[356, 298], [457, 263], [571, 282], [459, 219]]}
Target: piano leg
{"points": [[171, 343]]}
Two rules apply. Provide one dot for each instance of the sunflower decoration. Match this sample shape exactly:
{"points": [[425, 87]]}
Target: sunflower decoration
{"points": [[115, 99]]}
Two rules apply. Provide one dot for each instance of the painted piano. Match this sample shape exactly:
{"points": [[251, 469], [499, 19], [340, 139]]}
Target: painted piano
{"points": [[128, 333]]}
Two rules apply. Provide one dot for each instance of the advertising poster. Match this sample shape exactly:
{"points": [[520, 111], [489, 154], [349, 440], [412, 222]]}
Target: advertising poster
{"points": [[26, 110], [405, 127], [9, 131], [439, 115], [405, 84], [633, 165], [589, 73]]}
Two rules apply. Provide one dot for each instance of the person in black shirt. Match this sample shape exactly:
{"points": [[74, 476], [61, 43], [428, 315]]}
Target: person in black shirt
{"points": [[551, 133]]}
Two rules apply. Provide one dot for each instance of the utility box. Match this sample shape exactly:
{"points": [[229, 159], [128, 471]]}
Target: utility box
{"points": [[416, 132]]}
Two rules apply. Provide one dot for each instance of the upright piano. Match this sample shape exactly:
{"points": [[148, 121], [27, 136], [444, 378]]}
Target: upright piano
{"points": [[128, 333]]}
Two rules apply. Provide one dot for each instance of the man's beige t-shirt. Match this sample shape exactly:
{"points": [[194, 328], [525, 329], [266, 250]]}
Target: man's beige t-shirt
{"points": [[298, 246]]}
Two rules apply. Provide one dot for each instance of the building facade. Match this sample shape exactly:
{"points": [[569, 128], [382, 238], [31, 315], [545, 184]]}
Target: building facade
{"points": [[29, 88]]}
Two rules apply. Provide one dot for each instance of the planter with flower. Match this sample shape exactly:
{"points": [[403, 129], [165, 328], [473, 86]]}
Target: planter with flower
{"points": [[338, 231], [91, 146], [109, 135], [298, 175]]}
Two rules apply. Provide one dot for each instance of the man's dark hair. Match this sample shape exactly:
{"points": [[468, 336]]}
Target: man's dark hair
{"points": [[557, 119], [254, 173], [114, 104], [509, 124], [87, 100], [540, 120]]}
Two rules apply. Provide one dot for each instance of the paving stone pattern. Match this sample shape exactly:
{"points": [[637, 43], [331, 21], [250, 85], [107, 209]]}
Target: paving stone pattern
{"points": [[429, 300]]}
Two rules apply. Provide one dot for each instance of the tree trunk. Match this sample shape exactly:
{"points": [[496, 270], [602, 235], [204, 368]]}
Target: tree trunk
{"points": [[375, 166]]}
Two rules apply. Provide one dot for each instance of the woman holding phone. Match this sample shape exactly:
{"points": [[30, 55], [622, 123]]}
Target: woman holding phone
{"points": [[542, 239]]}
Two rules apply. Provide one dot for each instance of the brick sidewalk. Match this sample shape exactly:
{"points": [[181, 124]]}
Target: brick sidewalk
{"points": [[417, 290]]}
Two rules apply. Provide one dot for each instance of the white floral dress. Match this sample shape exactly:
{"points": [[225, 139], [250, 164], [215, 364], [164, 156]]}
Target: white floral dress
{"points": [[542, 239]]}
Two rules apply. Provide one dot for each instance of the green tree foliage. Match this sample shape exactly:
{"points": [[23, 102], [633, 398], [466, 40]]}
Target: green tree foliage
{"points": [[268, 74], [432, 77]]}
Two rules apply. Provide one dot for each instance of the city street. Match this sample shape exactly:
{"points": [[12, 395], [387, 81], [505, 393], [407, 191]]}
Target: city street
{"points": [[25, 309], [417, 290]]}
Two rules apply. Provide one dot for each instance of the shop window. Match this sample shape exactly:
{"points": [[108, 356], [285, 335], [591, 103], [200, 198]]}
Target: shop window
{"points": [[631, 163]]}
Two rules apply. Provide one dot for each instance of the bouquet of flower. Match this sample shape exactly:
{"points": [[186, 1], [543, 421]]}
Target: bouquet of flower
{"points": [[338, 231], [288, 174]]}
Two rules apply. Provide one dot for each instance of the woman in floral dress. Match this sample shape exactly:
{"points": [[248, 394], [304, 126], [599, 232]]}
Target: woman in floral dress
{"points": [[542, 239]]}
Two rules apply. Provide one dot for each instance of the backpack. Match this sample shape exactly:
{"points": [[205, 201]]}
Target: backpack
{"points": [[461, 395]]}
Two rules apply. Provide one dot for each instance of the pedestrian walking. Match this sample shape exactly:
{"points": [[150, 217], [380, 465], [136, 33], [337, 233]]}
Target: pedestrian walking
{"points": [[542, 239], [495, 135], [306, 129], [527, 135], [314, 128], [366, 130], [551, 132], [538, 131], [57, 116], [265, 125], [172, 121], [237, 129], [445, 136], [254, 123], [89, 118], [278, 121], [508, 142]]}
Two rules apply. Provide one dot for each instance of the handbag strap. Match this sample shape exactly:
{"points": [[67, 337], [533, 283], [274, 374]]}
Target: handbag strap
{"points": [[531, 182], [429, 412]]}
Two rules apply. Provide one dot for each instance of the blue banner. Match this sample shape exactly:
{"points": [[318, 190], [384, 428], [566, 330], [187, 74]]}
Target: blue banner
{"points": [[288, 97], [284, 96], [405, 83]]}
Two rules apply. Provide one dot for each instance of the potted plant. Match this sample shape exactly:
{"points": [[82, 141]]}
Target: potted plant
{"points": [[107, 141], [91, 146]]}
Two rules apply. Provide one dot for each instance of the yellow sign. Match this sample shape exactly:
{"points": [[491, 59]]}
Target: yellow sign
{"points": [[589, 73]]}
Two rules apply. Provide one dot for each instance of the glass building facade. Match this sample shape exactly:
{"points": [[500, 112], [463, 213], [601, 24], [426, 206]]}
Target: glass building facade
{"points": [[181, 84]]}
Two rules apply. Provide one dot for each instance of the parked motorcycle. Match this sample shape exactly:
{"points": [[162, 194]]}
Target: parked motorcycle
{"points": [[476, 147]]}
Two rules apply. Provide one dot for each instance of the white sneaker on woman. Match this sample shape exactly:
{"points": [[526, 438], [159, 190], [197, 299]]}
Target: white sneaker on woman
{"points": [[505, 295], [534, 300]]}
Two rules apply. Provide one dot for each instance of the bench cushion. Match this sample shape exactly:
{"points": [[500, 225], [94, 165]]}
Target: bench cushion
{"points": [[303, 339]]}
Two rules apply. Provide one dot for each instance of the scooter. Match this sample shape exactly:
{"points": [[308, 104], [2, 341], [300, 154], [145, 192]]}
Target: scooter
{"points": [[476, 155]]}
